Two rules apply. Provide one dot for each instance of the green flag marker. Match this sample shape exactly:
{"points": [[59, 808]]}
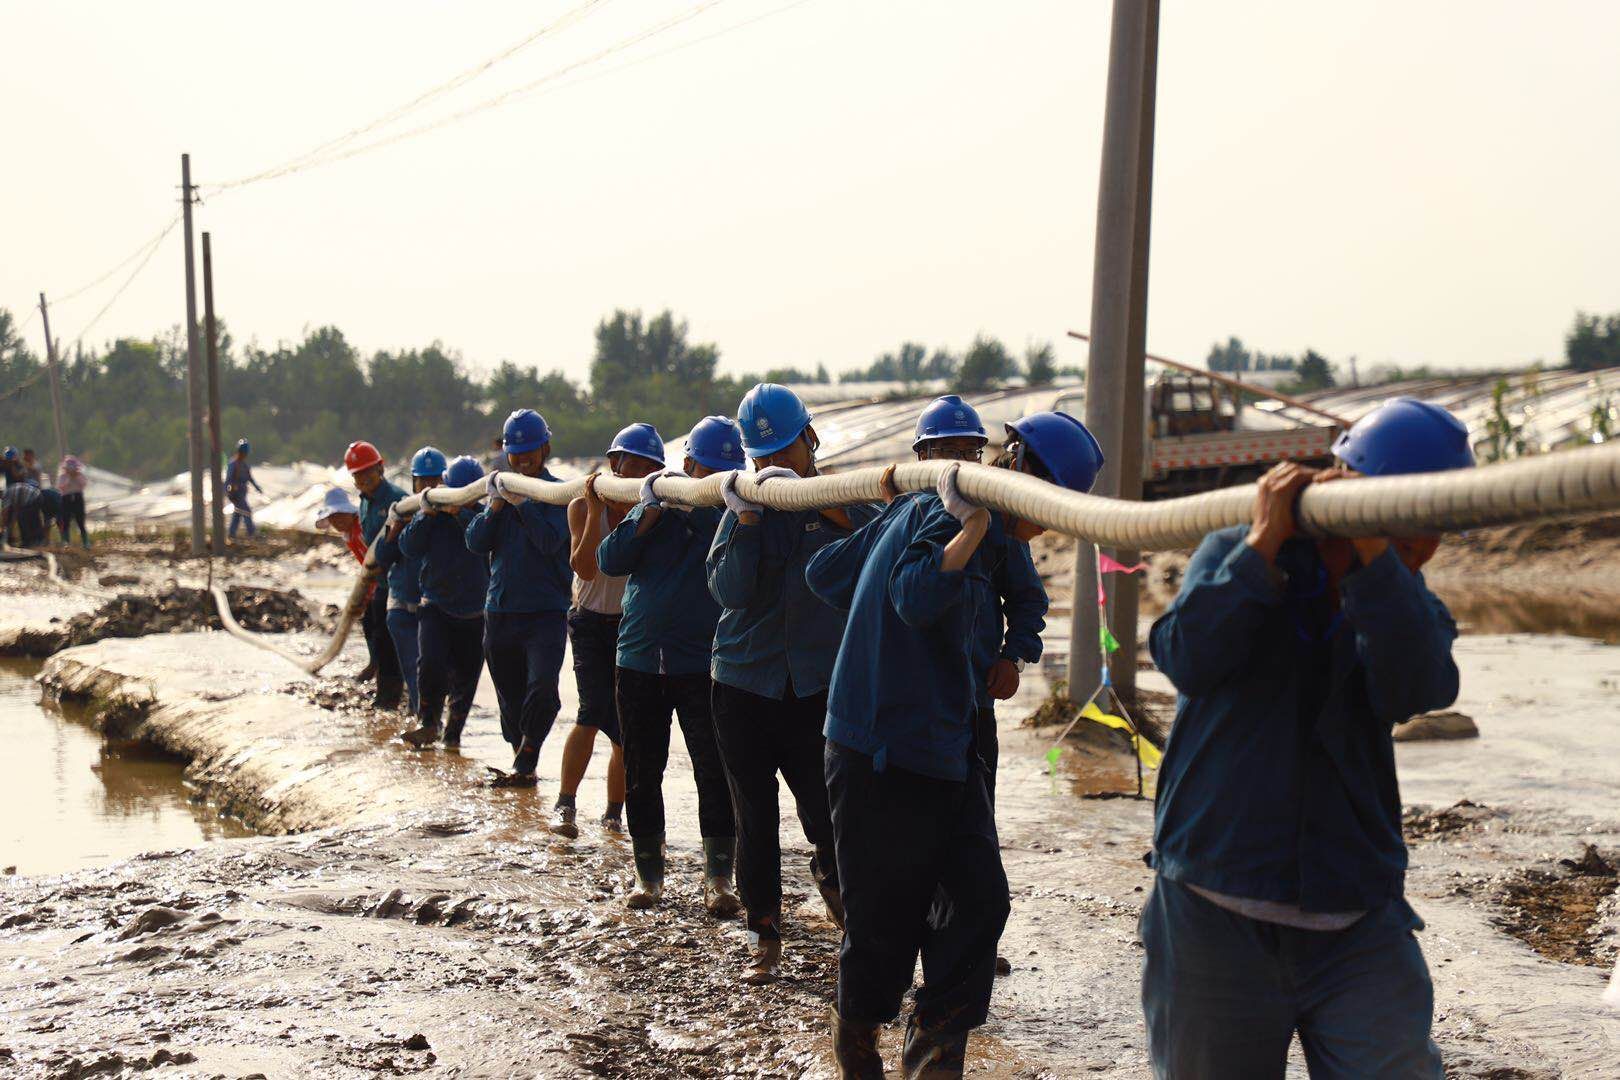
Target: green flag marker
{"points": [[1109, 642], [1052, 756]]}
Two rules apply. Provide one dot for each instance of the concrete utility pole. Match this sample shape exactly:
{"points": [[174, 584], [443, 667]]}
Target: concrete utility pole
{"points": [[56, 381], [217, 487], [1114, 371], [194, 377]]}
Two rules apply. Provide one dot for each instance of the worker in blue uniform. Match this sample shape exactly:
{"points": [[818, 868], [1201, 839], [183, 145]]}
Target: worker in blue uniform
{"points": [[1002, 571], [773, 655], [450, 617], [377, 497], [918, 857], [404, 574], [1279, 904], [665, 642], [526, 610]]}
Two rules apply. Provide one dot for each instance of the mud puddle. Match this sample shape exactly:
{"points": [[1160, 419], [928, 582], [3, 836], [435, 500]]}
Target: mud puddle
{"points": [[1559, 911], [72, 800]]}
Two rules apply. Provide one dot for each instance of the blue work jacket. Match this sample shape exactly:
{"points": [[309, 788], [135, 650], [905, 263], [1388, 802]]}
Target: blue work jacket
{"points": [[1008, 587], [453, 579], [1278, 782], [774, 633], [374, 509], [902, 690], [669, 615], [527, 545], [404, 572]]}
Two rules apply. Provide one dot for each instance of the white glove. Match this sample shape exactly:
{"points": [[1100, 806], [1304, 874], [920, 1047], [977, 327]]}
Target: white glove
{"points": [[505, 495], [647, 496], [735, 502], [773, 472], [955, 503]]}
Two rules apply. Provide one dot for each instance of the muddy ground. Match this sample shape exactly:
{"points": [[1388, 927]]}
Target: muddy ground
{"points": [[417, 923]]}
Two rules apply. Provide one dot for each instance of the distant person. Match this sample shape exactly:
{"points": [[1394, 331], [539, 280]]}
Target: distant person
{"points": [[377, 497], [22, 509], [593, 628], [71, 481], [339, 514], [773, 658], [238, 475], [662, 659], [405, 574], [1279, 905], [11, 461], [31, 472], [526, 611], [450, 619]]}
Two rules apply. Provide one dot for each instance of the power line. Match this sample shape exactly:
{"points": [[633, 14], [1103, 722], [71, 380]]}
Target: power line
{"points": [[150, 250], [131, 257], [568, 18]]}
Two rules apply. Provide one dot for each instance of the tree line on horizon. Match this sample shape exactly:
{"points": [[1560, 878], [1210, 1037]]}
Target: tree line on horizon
{"points": [[126, 405]]}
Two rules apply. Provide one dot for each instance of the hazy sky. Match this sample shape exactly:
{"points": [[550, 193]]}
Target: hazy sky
{"points": [[1419, 183]]}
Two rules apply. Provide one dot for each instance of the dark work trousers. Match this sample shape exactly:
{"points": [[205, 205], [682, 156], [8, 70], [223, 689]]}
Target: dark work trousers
{"points": [[594, 640], [645, 704], [402, 632], [759, 737], [374, 622], [73, 513], [525, 655], [1224, 993], [451, 659], [920, 870], [988, 745]]}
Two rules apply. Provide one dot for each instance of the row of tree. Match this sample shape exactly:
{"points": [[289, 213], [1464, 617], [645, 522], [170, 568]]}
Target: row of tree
{"points": [[126, 406], [984, 364], [1312, 371]]}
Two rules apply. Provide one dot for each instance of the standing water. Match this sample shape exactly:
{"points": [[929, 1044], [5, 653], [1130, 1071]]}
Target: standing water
{"points": [[69, 799]]}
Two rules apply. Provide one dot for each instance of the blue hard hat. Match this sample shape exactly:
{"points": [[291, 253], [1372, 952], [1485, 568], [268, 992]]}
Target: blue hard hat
{"points": [[10, 453], [771, 417], [525, 430], [948, 417], [428, 461], [462, 471], [243, 446], [641, 440], [1064, 446], [716, 443], [1405, 436]]}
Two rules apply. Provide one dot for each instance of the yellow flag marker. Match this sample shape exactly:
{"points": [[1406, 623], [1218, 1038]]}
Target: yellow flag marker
{"points": [[1145, 750]]}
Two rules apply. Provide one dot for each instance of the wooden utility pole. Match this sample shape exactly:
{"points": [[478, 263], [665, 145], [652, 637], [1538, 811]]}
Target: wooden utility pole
{"points": [[56, 382], [217, 488], [194, 377], [1115, 368]]}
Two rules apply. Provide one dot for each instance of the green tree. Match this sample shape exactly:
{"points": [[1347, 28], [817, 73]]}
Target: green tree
{"points": [[1315, 373], [1040, 363], [1593, 342], [1231, 357], [987, 363], [630, 350]]}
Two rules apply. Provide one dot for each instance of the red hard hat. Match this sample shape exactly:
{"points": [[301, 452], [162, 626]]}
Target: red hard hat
{"points": [[361, 456]]}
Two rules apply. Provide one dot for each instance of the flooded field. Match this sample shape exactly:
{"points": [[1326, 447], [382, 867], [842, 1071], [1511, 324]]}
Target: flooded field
{"points": [[69, 799]]}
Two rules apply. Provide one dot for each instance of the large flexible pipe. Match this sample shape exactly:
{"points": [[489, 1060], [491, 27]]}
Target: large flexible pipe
{"points": [[1533, 488]]}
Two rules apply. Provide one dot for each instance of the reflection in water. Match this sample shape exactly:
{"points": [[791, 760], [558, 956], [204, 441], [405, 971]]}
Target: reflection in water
{"points": [[69, 799]]}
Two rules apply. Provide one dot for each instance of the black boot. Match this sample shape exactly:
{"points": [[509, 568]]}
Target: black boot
{"points": [[648, 853], [719, 856], [824, 868], [389, 693], [855, 1051], [422, 736], [931, 1054], [452, 730]]}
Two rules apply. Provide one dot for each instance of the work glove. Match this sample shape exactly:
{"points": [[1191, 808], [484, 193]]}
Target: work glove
{"points": [[505, 494], [956, 504], [647, 496], [735, 502], [773, 472]]}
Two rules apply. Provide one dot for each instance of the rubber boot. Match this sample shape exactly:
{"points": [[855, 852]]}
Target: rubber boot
{"points": [[452, 730], [390, 692], [719, 855], [932, 1055], [824, 869], [764, 957], [649, 856], [423, 736], [855, 1050]]}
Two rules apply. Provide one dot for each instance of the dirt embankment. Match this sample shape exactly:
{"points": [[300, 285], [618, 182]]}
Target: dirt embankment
{"points": [[173, 611]]}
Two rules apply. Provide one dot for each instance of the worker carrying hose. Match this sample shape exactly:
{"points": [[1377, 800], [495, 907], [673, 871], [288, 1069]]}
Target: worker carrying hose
{"points": [[593, 629], [238, 476], [1002, 572], [663, 654], [1279, 905], [773, 656], [450, 617], [526, 609], [912, 808], [404, 573], [377, 497]]}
